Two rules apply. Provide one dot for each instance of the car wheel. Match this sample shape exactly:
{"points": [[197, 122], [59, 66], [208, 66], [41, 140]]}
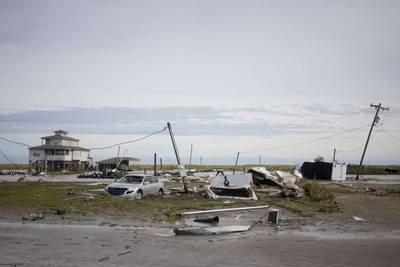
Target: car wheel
{"points": [[139, 194], [160, 192]]}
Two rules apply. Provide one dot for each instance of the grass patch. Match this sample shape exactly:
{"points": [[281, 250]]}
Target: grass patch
{"points": [[47, 197], [318, 193]]}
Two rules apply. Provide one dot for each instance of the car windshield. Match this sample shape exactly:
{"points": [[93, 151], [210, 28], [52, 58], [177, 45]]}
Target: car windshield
{"points": [[131, 179]]}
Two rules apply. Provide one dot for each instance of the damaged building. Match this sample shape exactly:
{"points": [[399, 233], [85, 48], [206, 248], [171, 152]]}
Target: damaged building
{"points": [[59, 152]]}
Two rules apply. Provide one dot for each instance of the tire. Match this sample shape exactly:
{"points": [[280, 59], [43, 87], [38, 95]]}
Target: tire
{"points": [[161, 192], [139, 194]]}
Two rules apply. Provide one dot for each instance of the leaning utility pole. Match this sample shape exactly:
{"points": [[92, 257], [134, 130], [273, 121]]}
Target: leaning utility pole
{"points": [[236, 162], [190, 158], [378, 108], [181, 167]]}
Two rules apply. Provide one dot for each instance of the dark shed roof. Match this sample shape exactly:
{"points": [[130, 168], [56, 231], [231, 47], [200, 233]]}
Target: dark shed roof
{"points": [[116, 160]]}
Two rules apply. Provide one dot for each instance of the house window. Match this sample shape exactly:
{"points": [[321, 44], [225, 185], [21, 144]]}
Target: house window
{"points": [[49, 152], [66, 152], [36, 154], [59, 152], [47, 141]]}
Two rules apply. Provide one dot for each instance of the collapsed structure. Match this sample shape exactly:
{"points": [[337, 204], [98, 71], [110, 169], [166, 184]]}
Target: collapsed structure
{"points": [[231, 186], [243, 186]]}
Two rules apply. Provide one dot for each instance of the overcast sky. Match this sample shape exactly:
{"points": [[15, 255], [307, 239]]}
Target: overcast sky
{"points": [[230, 75]]}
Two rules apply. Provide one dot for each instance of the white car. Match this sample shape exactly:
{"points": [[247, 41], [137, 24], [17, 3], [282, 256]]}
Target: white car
{"points": [[135, 186]]}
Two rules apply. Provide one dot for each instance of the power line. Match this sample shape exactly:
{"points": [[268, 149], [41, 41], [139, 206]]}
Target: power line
{"points": [[14, 142], [387, 133], [305, 142], [6, 157], [96, 148], [131, 141], [359, 147]]}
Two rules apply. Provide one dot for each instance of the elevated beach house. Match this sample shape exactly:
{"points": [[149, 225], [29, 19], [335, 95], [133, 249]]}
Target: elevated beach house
{"points": [[59, 152]]}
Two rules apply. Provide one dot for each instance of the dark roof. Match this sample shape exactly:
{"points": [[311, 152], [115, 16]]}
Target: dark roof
{"points": [[58, 147], [116, 160], [57, 136]]}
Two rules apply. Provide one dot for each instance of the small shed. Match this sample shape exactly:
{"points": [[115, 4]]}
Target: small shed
{"points": [[324, 170], [123, 163]]}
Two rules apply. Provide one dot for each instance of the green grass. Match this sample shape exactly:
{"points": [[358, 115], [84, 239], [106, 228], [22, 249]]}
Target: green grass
{"points": [[319, 193], [48, 197]]}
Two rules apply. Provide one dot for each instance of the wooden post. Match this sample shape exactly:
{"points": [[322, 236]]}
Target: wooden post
{"points": [[334, 155]]}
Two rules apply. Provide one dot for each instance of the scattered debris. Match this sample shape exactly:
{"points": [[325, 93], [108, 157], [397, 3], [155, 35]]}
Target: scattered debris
{"points": [[223, 210], [124, 253], [359, 219], [94, 174], [103, 259], [369, 190], [211, 230], [273, 216], [231, 186], [163, 234], [233, 192], [83, 194], [179, 190], [89, 198], [343, 185], [212, 220], [60, 211], [261, 176], [33, 217]]}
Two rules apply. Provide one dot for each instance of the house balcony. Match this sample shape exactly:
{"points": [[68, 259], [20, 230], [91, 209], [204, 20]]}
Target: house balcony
{"points": [[58, 157]]}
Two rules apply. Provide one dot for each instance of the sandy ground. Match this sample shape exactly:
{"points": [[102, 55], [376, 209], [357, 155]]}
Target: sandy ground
{"points": [[334, 239]]}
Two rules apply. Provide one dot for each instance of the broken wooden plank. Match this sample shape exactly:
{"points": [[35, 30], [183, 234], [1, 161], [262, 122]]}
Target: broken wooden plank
{"points": [[224, 210]]}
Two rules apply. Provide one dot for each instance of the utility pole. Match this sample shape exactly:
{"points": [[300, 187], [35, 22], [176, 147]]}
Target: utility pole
{"points": [[161, 167], [259, 160], [236, 162], [181, 167], [334, 155], [190, 158], [375, 120], [155, 164]]}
